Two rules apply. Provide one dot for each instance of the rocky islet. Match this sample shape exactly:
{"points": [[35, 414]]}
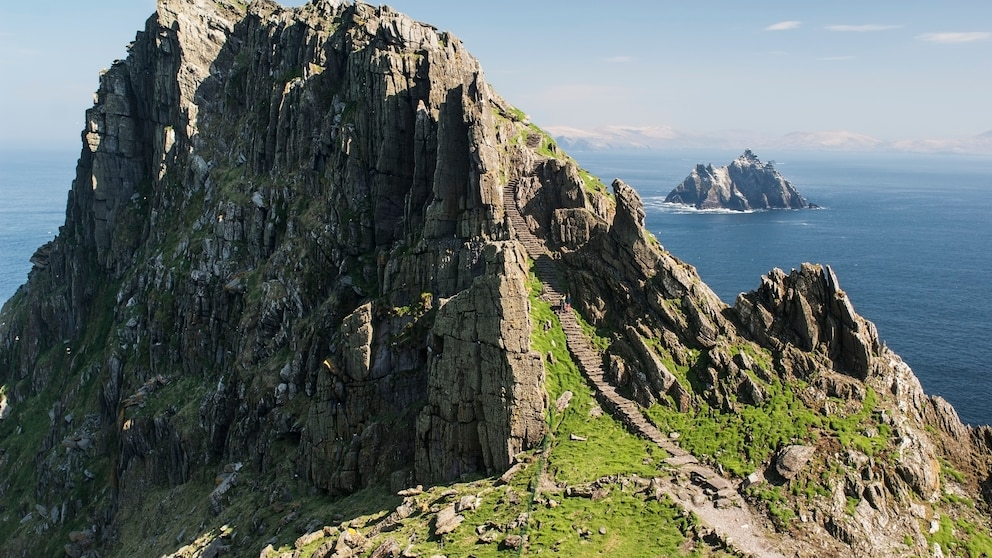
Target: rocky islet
{"points": [[746, 184]]}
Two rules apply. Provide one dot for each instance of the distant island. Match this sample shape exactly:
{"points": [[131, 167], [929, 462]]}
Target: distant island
{"points": [[745, 184]]}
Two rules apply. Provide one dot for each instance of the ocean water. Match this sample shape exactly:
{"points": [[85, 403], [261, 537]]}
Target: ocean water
{"points": [[33, 192], [909, 236]]}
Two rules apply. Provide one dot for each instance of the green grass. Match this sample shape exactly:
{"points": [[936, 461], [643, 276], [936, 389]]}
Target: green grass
{"points": [[593, 184], [960, 537], [601, 338], [851, 505], [759, 355], [631, 526], [778, 506], [951, 472], [517, 115], [742, 441], [610, 448]]}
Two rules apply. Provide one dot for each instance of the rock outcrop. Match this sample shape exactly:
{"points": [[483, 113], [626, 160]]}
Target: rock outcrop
{"points": [[289, 274], [743, 185]]}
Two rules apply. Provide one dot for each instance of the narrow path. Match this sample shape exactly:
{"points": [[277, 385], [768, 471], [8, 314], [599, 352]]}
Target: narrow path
{"points": [[695, 486]]}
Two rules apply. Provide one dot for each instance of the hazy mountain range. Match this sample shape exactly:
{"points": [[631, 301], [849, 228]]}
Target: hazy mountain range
{"points": [[658, 137]]}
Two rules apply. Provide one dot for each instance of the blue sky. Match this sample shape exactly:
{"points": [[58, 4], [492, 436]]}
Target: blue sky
{"points": [[888, 70]]}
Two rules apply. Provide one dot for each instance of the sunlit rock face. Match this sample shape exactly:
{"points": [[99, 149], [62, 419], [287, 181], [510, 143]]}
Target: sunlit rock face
{"points": [[743, 185]]}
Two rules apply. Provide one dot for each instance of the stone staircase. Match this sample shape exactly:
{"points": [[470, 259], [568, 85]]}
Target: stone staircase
{"points": [[695, 486]]}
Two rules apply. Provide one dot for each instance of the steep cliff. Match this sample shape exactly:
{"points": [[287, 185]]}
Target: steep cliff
{"points": [[301, 271], [744, 184]]}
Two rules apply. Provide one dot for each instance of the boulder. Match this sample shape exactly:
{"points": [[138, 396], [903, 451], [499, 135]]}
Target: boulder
{"points": [[513, 542], [791, 460], [468, 503], [447, 520], [388, 549]]}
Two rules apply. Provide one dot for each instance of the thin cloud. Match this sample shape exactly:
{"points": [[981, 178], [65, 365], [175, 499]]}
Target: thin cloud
{"points": [[783, 26], [832, 58], [951, 38], [862, 28], [618, 59]]}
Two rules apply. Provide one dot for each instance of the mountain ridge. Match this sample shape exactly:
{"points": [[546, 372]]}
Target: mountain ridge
{"points": [[650, 138], [290, 286]]}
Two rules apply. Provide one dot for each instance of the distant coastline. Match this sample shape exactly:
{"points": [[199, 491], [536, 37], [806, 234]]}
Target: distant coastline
{"points": [[625, 138]]}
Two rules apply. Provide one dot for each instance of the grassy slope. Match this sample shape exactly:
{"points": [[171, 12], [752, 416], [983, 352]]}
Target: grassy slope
{"points": [[275, 509]]}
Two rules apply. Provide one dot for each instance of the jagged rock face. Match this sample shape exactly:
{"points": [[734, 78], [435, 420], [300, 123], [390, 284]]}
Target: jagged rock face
{"points": [[745, 184], [809, 310], [294, 215], [487, 394]]}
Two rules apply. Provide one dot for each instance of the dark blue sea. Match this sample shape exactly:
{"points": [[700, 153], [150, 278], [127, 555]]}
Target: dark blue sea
{"points": [[33, 190], [910, 237]]}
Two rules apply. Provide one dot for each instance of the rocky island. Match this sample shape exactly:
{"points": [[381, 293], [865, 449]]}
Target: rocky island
{"points": [[307, 301], [743, 185]]}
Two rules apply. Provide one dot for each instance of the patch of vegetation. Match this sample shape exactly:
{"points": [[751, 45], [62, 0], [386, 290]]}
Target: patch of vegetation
{"points": [[417, 309], [742, 440], [853, 430], [517, 115], [608, 447], [778, 506], [180, 400], [548, 146], [960, 537], [592, 183], [164, 515], [21, 435], [851, 505], [950, 472], [240, 4], [759, 355], [681, 371], [620, 524], [231, 185]]}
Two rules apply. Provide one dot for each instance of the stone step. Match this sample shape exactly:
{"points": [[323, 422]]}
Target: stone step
{"points": [[590, 362]]}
